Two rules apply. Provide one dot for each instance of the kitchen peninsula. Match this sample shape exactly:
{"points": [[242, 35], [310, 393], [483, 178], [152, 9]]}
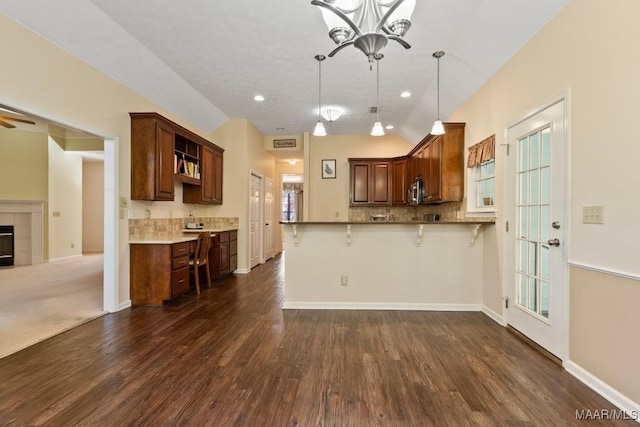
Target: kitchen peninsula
{"points": [[392, 265]]}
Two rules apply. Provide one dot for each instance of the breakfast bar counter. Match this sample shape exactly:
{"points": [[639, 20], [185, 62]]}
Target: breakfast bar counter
{"points": [[408, 265]]}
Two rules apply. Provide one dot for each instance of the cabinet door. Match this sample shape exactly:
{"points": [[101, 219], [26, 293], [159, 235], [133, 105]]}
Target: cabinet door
{"points": [[360, 177], [207, 175], [400, 182], [218, 158], [381, 183], [164, 163], [433, 186]]}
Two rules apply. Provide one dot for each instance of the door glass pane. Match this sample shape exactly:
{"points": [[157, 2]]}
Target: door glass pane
{"points": [[546, 147], [544, 262], [534, 222], [532, 303], [545, 185], [544, 298], [534, 151], [524, 224], [533, 258], [523, 256], [524, 154], [544, 223], [524, 188], [534, 194], [522, 289]]}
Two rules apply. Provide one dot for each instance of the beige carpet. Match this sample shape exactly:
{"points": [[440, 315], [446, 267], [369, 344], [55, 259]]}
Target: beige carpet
{"points": [[40, 301]]}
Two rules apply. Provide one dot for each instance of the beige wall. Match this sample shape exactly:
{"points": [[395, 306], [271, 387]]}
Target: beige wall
{"points": [[590, 49], [92, 206], [24, 165], [329, 198], [65, 202]]}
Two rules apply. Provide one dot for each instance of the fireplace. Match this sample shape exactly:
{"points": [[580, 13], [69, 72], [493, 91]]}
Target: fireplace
{"points": [[7, 248]]}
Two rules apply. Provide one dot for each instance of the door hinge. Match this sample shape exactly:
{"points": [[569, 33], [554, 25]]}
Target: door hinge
{"points": [[506, 302], [506, 226]]}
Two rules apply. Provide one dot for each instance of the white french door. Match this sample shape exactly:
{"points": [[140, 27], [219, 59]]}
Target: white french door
{"points": [[254, 220], [535, 266]]}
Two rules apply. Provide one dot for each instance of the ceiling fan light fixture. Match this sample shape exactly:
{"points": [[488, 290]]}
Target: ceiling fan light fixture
{"points": [[366, 24], [331, 114], [377, 129]]}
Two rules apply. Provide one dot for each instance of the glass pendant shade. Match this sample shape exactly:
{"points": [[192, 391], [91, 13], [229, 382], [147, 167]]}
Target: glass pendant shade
{"points": [[437, 128], [319, 130], [377, 129]]}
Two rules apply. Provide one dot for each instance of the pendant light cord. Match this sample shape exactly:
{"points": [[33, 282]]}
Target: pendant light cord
{"points": [[319, 58], [377, 89]]}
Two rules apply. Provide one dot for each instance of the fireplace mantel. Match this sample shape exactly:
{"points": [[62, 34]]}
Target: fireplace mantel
{"points": [[34, 209]]}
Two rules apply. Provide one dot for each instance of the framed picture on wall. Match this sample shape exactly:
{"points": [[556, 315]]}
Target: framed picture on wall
{"points": [[328, 169]]}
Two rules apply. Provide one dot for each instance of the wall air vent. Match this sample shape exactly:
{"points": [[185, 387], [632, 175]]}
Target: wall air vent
{"points": [[373, 110]]}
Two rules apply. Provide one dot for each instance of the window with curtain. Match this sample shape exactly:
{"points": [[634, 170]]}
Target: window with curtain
{"points": [[481, 166], [291, 201]]}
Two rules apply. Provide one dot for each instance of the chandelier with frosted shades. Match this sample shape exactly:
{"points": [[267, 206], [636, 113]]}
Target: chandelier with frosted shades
{"points": [[366, 24]]}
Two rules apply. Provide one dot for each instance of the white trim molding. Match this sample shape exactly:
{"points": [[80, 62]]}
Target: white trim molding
{"points": [[603, 270], [302, 305], [493, 315], [603, 389]]}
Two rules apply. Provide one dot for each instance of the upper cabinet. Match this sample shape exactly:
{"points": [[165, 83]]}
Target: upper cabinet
{"points": [[370, 182], [438, 160], [441, 164], [163, 152]]}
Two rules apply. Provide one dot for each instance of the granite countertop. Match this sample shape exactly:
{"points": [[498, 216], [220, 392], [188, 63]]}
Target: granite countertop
{"points": [[453, 221], [185, 235]]}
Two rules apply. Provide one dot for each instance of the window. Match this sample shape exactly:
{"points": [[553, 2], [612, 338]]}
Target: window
{"points": [[481, 186], [484, 176]]}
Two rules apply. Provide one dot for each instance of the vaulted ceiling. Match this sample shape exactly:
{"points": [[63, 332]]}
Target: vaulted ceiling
{"points": [[205, 60]]}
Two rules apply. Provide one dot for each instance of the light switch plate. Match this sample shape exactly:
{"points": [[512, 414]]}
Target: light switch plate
{"points": [[593, 214]]}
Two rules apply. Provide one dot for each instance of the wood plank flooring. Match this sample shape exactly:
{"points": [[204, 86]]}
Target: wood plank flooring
{"points": [[233, 357]]}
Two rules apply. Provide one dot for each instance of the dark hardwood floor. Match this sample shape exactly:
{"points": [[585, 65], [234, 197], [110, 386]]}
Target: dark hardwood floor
{"points": [[233, 357]]}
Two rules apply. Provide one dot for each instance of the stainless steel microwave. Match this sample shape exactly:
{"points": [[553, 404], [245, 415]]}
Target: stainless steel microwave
{"points": [[416, 193]]}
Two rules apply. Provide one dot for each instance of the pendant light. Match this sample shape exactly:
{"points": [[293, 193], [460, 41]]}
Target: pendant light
{"points": [[319, 129], [437, 128], [377, 129]]}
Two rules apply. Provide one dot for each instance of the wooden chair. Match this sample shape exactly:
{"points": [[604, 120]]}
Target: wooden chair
{"points": [[201, 258]]}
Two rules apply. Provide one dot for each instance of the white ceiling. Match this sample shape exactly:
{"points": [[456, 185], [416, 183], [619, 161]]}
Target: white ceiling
{"points": [[205, 60]]}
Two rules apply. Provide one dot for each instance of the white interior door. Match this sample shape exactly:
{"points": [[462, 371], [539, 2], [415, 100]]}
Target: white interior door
{"points": [[254, 220], [535, 251], [268, 219]]}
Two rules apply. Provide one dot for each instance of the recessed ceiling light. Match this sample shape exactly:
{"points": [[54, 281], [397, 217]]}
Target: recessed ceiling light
{"points": [[292, 162], [389, 126], [258, 98], [405, 94]]}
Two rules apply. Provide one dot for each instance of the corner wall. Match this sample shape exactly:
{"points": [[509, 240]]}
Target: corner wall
{"points": [[589, 48]]}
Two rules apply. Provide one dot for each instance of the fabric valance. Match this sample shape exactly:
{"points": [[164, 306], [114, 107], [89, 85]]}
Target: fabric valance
{"points": [[482, 151]]}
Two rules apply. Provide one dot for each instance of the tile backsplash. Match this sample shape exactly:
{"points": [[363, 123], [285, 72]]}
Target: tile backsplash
{"points": [[447, 211], [149, 227]]}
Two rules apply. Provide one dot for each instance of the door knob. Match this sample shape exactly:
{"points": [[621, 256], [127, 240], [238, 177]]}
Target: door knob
{"points": [[554, 242]]}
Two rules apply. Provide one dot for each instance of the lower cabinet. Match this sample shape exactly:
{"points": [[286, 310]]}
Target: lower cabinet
{"points": [[159, 272], [223, 255]]}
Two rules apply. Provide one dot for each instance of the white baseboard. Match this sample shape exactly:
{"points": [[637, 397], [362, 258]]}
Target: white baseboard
{"points": [[302, 305], [65, 258], [125, 304], [242, 270], [492, 314], [605, 390]]}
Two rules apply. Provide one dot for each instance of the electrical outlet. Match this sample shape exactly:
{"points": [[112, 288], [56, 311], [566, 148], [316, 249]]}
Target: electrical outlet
{"points": [[593, 214], [344, 280], [147, 214], [73, 245], [56, 214], [123, 202]]}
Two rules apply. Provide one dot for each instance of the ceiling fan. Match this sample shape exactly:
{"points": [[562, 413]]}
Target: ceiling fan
{"points": [[5, 123]]}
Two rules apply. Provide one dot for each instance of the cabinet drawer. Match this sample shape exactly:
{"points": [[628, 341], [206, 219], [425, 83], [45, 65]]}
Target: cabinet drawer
{"points": [[233, 235], [180, 262], [233, 247], [224, 237], [179, 249], [179, 282]]}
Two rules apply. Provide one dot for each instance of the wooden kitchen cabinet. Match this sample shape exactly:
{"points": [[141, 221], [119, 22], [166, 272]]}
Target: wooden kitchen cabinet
{"points": [[439, 160], [152, 159], [163, 152], [210, 190], [159, 272], [371, 182], [223, 255], [400, 181]]}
